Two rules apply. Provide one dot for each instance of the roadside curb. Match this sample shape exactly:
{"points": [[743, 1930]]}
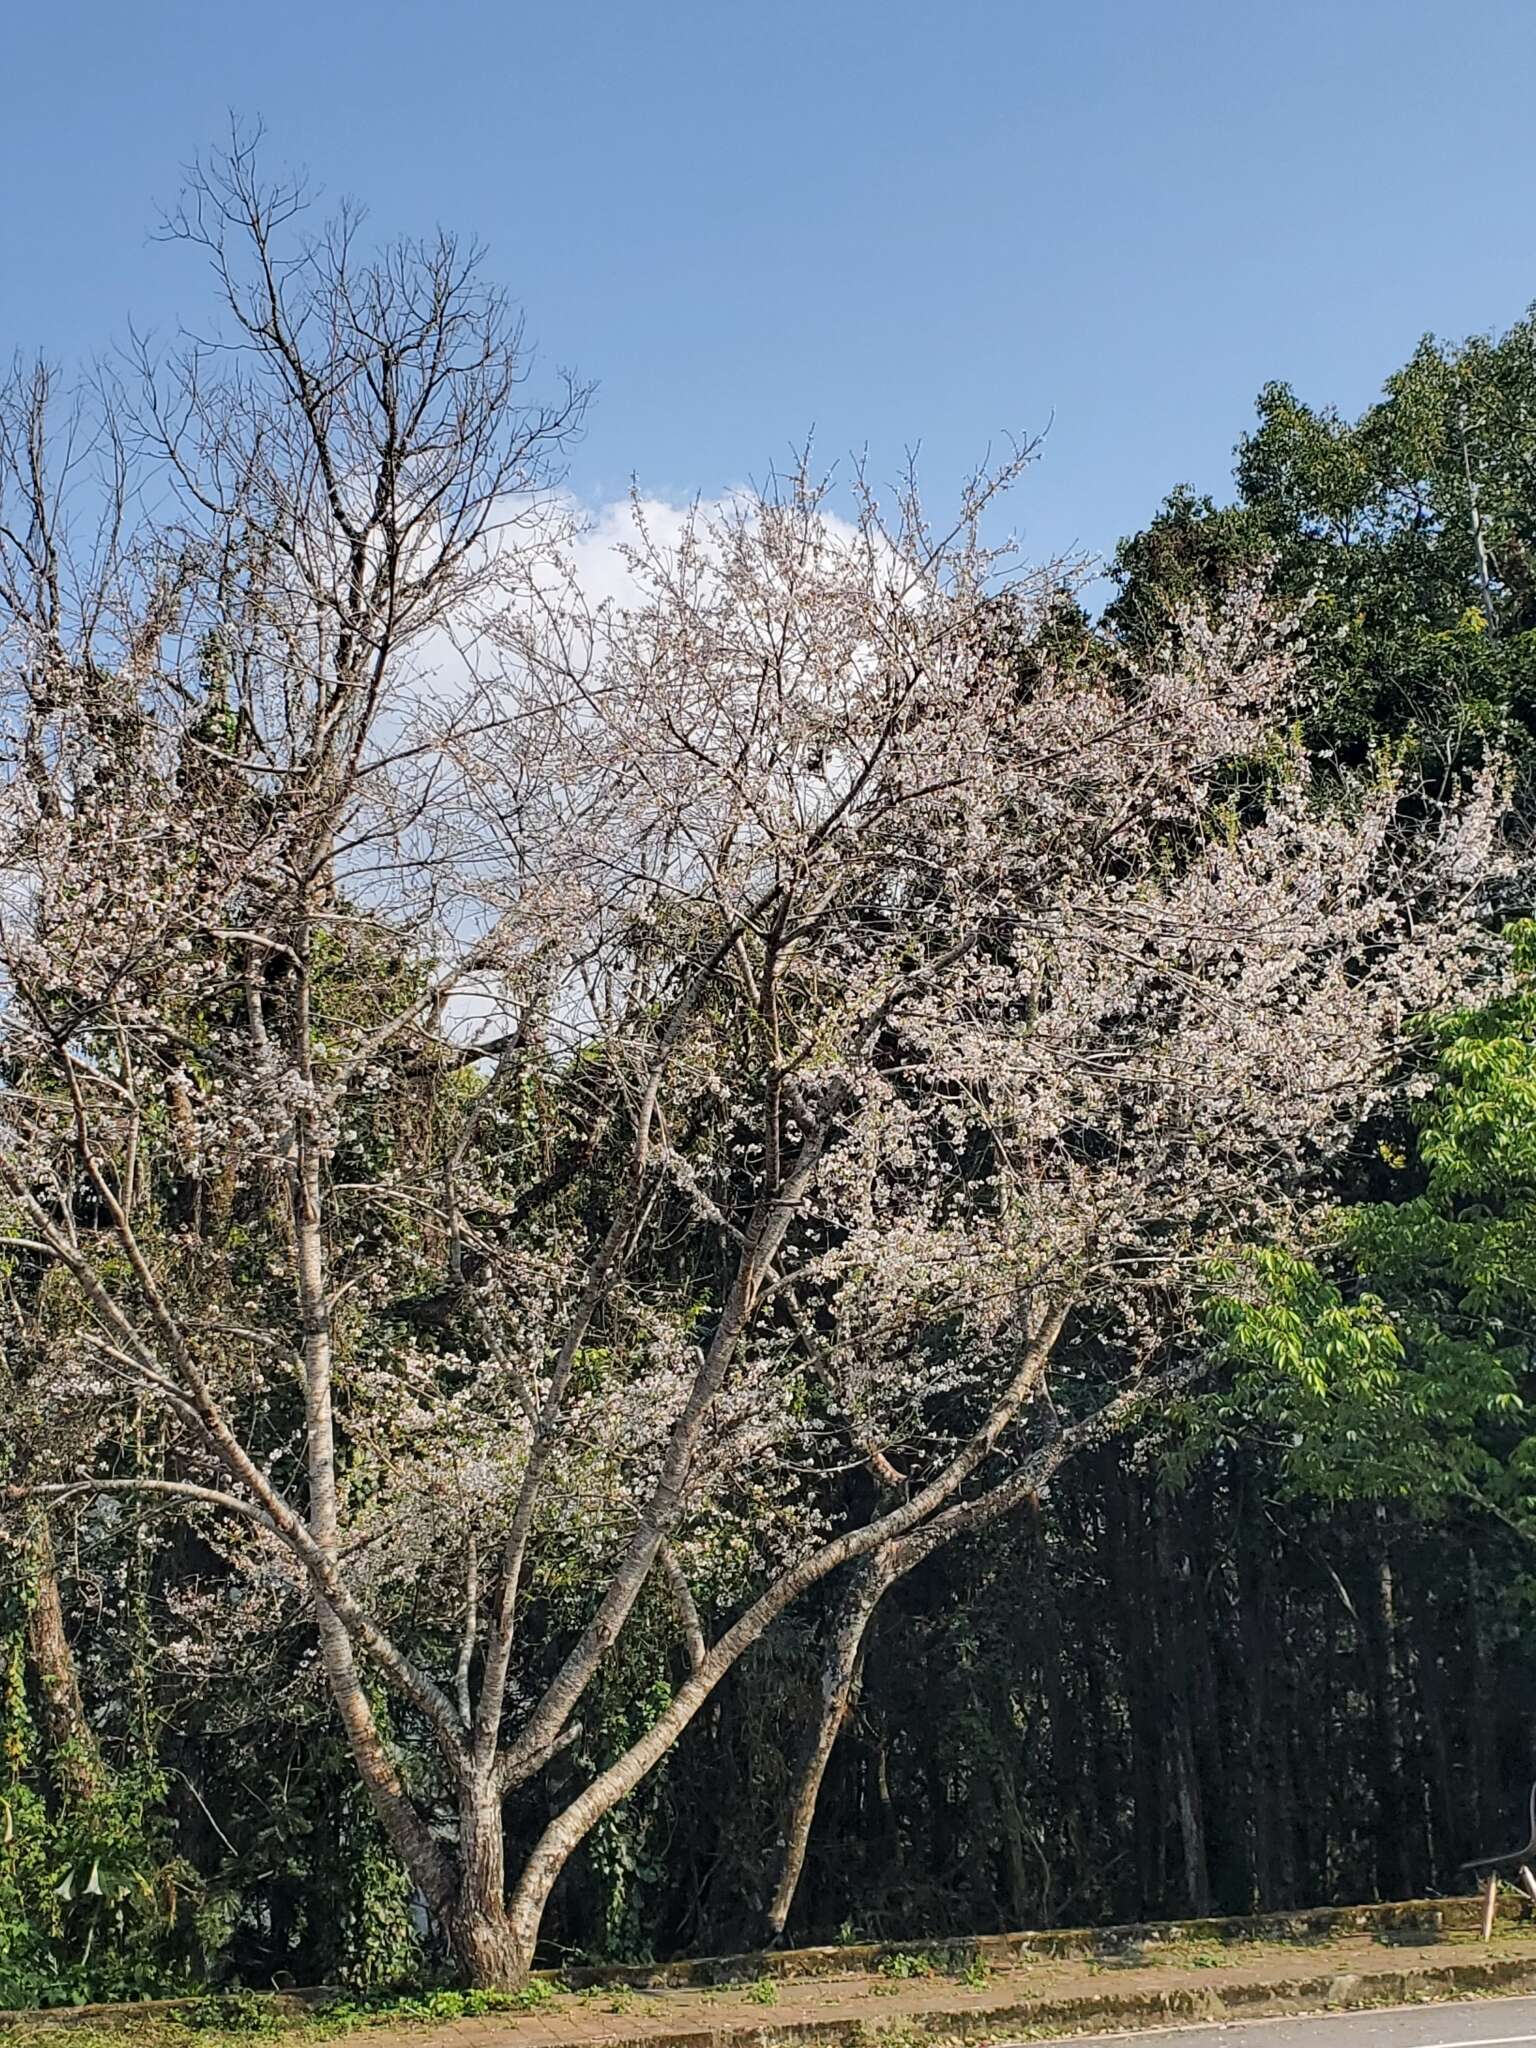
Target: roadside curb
{"points": [[1417, 1922], [795, 1965], [1106, 2012]]}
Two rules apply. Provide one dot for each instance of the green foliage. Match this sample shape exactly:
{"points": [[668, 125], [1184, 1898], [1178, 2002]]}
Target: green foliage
{"points": [[376, 1943], [1401, 1363], [904, 1964], [92, 1906], [443, 2005], [623, 1851], [959, 1960], [93, 1903], [235, 2012], [1403, 537]]}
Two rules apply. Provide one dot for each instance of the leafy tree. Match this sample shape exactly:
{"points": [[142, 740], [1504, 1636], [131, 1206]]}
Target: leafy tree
{"points": [[1399, 1361], [1407, 538]]}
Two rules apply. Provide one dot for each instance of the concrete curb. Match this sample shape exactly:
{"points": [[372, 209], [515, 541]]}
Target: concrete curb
{"points": [[1096, 2012], [284, 2005], [1106, 2012], [793, 1965]]}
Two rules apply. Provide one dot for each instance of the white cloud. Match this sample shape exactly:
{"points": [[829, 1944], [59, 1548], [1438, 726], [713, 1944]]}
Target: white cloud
{"points": [[602, 533]]}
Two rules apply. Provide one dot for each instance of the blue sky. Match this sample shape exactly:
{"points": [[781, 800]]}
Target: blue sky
{"points": [[887, 221]]}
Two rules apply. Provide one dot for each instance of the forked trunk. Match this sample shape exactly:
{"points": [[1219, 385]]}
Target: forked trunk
{"points": [[487, 1954]]}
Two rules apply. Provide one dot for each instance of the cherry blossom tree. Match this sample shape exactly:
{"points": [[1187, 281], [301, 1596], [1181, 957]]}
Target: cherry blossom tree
{"points": [[657, 1098]]}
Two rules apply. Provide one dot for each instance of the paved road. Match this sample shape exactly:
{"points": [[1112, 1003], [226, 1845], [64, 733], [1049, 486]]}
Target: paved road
{"points": [[1477, 2023]]}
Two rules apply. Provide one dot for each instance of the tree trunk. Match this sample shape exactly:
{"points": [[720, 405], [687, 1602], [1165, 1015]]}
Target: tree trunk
{"points": [[490, 1952], [1010, 1815], [839, 1675], [525, 1910], [74, 1754], [1478, 1698], [1183, 1665], [412, 1841], [1387, 1749]]}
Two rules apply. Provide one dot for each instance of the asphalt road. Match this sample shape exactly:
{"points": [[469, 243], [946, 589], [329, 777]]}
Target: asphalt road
{"points": [[1478, 2023]]}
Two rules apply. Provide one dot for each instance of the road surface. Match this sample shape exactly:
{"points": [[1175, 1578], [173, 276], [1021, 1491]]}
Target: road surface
{"points": [[1474, 2023]]}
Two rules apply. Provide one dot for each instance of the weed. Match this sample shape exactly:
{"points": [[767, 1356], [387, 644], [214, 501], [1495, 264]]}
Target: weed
{"points": [[1187, 1955], [234, 2012], [443, 2004], [906, 1963], [609, 1997]]}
